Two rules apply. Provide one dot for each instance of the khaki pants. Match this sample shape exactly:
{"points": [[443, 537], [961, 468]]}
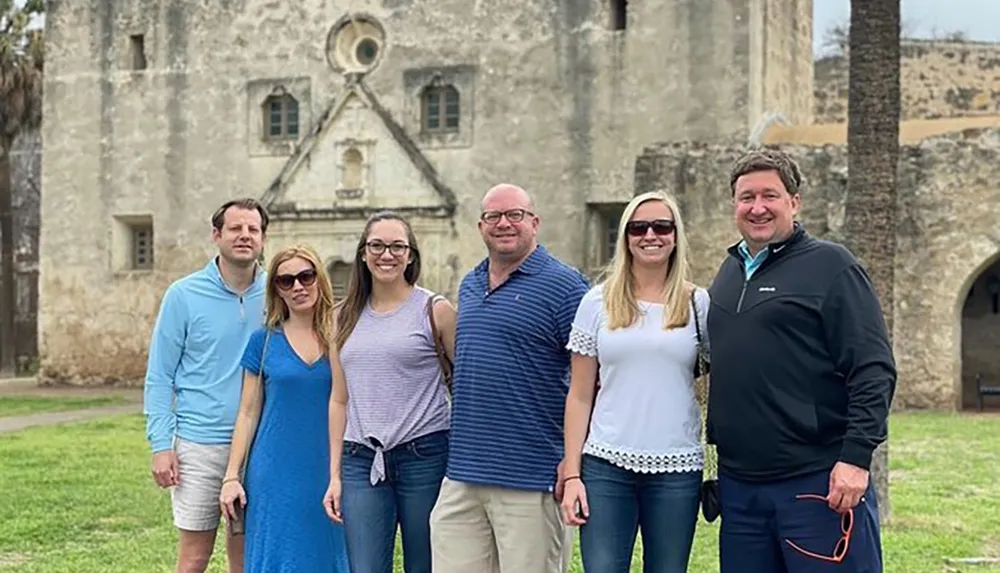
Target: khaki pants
{"points": [[479, 529]]}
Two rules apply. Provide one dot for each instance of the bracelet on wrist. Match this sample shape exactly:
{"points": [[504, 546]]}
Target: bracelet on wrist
{"points": [[229, 479], [567, 478]]}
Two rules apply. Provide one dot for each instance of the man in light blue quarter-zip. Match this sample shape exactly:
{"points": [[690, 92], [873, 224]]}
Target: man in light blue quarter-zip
{"points": [[193, 379]]}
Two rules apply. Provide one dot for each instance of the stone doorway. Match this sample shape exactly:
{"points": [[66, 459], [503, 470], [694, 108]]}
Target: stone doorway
{"points": [[981, 337], [340, 275]]}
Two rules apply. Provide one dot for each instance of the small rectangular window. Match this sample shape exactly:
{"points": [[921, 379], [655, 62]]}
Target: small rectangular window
{"points": [[611, 222], [441, 109], [138, 49], [281, 117], [142, 246], [619, 14], [292, 119]]}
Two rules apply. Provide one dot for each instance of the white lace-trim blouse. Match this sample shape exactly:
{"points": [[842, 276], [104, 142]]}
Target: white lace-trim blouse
{"points": [[645, 418]]}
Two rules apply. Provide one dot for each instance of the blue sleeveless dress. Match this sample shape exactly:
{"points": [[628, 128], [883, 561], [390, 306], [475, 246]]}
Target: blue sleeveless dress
{"points": [[287, 474]]}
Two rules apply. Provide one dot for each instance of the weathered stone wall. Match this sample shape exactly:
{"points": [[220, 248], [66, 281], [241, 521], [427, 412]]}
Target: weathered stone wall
{"points": [[562, 104], [949, 204], [785, 69], [938, 79]]}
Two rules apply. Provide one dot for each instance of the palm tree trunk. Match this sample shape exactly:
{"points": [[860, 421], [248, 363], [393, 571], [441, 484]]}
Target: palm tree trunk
{"points": [[8, 294], [873, 110]]}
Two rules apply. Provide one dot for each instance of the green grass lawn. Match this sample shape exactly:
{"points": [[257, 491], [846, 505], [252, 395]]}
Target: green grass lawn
{"points": [[79, 498], [23, 405]]}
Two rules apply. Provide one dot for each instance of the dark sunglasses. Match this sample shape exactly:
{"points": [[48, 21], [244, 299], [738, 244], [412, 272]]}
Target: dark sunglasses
{"points": [[305, 278], [661, 227]]}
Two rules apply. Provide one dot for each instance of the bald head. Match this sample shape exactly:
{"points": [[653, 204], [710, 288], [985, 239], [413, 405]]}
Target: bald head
{"points": [[507, 194], [508, 223]]}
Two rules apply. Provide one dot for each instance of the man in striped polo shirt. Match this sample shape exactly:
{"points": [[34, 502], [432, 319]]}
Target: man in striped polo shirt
{"points": [[497, 509]]}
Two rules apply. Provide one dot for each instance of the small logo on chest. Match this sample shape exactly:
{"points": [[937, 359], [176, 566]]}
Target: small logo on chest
{"points": [[767, 289]]}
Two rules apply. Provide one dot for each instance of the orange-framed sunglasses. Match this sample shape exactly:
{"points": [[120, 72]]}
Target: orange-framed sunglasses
{"points": [[846, 527]]}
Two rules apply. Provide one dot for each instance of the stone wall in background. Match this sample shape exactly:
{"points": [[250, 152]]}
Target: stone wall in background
{"points": [[939, 79]]}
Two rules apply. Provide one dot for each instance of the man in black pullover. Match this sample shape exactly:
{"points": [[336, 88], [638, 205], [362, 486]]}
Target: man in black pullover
{"points": [[801, 383]]}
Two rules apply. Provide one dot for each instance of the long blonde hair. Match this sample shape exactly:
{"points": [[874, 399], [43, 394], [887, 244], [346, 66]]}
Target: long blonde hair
{"points": [[619, 288], [277, 310]]}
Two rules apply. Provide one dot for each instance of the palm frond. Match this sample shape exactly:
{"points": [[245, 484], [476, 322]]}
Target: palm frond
{"points": [[22, 54]]}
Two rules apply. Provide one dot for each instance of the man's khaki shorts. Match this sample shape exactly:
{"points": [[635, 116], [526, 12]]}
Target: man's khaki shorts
{"points": [[196, 498]]}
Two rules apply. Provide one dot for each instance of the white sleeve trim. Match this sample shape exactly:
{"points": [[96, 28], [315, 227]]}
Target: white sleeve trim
{"points": [[582, 342]]}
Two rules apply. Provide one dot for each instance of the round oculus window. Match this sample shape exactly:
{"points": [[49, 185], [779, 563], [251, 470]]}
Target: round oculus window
{"points": [[365, 51]]}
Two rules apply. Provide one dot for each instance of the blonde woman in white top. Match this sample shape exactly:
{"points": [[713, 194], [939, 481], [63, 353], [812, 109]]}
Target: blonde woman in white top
{"points": [[634, 456]]}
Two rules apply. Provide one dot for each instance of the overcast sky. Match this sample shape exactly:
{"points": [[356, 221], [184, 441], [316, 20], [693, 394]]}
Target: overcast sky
{"points": [[978, 19]]}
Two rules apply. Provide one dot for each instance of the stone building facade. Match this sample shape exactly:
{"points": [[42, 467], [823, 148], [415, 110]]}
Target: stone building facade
{"points": [[156, 112]]}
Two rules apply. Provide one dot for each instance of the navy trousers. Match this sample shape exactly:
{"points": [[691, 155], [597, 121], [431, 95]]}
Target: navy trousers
{"points": [[773, 528]]}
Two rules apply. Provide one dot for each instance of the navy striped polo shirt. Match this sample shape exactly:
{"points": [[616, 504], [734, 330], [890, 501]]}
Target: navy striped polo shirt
{"points": [[512, 373]]}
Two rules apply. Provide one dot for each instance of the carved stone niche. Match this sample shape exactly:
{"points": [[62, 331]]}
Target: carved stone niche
{"points": [[355, 169]]}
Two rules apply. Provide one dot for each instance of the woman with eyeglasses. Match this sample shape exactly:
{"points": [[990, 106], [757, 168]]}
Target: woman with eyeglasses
{"points": [[389, 412], [281, 430], [634, 456]]}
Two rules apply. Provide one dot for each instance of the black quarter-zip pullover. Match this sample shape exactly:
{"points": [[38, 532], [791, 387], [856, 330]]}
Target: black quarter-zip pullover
{"points": [[802, 368]]}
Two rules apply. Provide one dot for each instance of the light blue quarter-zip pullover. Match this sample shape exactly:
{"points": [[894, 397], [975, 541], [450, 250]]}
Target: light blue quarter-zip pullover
{"points": [[193, 378]]}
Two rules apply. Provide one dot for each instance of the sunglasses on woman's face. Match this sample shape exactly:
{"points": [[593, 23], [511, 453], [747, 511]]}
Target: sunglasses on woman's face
{"points": [[661, 227], [286, 282]]}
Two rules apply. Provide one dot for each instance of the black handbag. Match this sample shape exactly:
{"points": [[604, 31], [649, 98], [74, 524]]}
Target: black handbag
{"points": [[709, 494]]}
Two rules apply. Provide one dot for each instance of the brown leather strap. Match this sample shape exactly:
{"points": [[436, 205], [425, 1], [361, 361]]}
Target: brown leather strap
{"points": [[447, 368]]}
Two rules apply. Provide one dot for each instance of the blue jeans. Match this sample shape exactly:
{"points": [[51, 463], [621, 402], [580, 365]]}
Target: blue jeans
{"points": [[414, 471], [760, 519], [663, 505]]}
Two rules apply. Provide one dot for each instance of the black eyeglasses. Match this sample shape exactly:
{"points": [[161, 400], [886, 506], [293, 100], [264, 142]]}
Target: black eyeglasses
{"points": [[513, 215], [396, 249], [306, 278], [661, 227]]}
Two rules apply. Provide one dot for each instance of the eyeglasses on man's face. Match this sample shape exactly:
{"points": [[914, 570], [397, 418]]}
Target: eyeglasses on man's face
{"points": [[396, 248], [512, 215], [846, 527]]}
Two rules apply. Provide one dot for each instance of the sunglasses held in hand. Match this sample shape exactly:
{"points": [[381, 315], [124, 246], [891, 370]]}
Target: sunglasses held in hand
{"points": [[846, 527]]}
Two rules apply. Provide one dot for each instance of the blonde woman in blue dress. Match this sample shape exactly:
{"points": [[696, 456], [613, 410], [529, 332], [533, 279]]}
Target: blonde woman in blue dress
{"points": [[286, 385]]}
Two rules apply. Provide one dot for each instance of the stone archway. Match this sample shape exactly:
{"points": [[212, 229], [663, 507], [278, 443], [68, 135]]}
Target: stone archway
{"points": [[980, 342]]}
